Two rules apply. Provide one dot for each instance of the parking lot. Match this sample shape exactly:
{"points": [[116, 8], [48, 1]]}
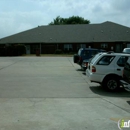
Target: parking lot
{"points": [[53, 93]]}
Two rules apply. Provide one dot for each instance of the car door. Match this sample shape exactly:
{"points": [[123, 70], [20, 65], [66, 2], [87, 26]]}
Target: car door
{"points": [[126, 73], [119, 64]]}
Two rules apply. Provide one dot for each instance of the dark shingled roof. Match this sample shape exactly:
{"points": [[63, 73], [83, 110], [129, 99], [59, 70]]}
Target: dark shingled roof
{"points": [[80, 33]]}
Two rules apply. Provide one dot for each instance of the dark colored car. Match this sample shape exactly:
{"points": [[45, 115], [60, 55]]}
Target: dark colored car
{"points": [[85, 64], [126, 76], [85, 54], [126, 50]]}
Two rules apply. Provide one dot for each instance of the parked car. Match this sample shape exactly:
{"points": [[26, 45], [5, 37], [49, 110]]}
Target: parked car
{"points": [[85, 64], [125, 82], [85, 54], [126, 50], [106, 69]]}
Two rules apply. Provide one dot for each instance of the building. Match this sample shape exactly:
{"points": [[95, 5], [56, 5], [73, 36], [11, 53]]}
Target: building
{"points": [[69, 38]]}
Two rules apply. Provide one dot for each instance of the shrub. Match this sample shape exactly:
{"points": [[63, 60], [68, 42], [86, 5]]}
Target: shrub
{"points": [[58, 51], [15, 50], [20, 49]]}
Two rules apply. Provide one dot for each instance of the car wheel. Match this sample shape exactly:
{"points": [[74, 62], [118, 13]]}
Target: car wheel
{"points": [[111, 84]]}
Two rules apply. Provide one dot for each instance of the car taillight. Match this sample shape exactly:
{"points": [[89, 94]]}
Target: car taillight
{"points": [[93, 69]]}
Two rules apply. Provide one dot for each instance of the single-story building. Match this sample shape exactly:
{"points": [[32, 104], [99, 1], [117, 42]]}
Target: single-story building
{"points": [[69, 38]]}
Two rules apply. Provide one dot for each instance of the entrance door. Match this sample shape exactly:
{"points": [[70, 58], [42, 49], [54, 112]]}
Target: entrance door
{"points": [[27, 49]]}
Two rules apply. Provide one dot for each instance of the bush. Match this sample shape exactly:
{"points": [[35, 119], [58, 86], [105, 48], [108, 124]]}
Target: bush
{"points": [[15, 50], [58, 51], [20, 49]]}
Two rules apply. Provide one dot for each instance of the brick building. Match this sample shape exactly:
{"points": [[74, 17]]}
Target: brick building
{"points": [[69, 38]]}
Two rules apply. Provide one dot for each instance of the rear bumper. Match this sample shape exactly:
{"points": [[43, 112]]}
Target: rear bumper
{"points": [[84, 66], [125, 84], [93, 77]]}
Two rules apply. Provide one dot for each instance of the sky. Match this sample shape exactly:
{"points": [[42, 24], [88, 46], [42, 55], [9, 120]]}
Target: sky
{"points": [[20, 15]]}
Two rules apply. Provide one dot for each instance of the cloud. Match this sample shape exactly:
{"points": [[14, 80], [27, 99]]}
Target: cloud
{"points": [[20, 15], [14, 22], [121, 5]]}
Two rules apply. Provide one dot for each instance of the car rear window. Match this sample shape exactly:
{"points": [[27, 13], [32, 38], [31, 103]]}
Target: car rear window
{"points": [[89, 53], [94, 52], [85, 52], [127, 66], [105, 60]]}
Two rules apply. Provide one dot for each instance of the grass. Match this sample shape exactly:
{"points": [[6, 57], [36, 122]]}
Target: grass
{"points": [[48, 55]]}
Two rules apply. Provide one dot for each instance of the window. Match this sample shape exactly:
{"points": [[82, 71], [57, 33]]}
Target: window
{"points": [[83, 45], [122, 60], [94, 58], [106, 60], [85, 52], [104, 45], [67, 47], [94, 52], [34, 48], [127, 66], [89, 52]]}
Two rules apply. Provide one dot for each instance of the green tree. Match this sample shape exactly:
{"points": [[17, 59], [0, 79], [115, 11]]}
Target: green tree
{"points": [[71, 20]]}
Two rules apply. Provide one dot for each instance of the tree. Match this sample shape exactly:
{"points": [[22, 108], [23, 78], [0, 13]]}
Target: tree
{"points": [[71, 20]]}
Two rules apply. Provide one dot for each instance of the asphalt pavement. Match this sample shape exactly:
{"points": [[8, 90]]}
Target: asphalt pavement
{"points": [[53, 93]]}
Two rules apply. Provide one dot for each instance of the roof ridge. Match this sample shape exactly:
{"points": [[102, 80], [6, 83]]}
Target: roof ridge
{"points": [[110, 22]]}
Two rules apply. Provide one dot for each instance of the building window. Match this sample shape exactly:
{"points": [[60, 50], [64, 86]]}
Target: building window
{"points": [[68, 47], [34, 48], [104, 45], [83, 45]]}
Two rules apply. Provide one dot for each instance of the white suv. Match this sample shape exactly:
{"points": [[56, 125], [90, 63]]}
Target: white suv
{"points": [[106, 69]]}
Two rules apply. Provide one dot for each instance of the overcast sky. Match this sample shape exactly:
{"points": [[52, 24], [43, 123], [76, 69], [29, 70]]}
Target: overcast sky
{"points": [[21, 15]]}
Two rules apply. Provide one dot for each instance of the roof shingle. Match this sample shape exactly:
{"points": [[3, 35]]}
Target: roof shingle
{"points": [[80, 33]]}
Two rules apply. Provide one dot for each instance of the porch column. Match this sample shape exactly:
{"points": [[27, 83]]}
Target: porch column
{"points": [[57, 47]]}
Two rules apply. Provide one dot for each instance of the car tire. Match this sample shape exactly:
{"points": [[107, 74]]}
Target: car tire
{"points": [[111, 84]]}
